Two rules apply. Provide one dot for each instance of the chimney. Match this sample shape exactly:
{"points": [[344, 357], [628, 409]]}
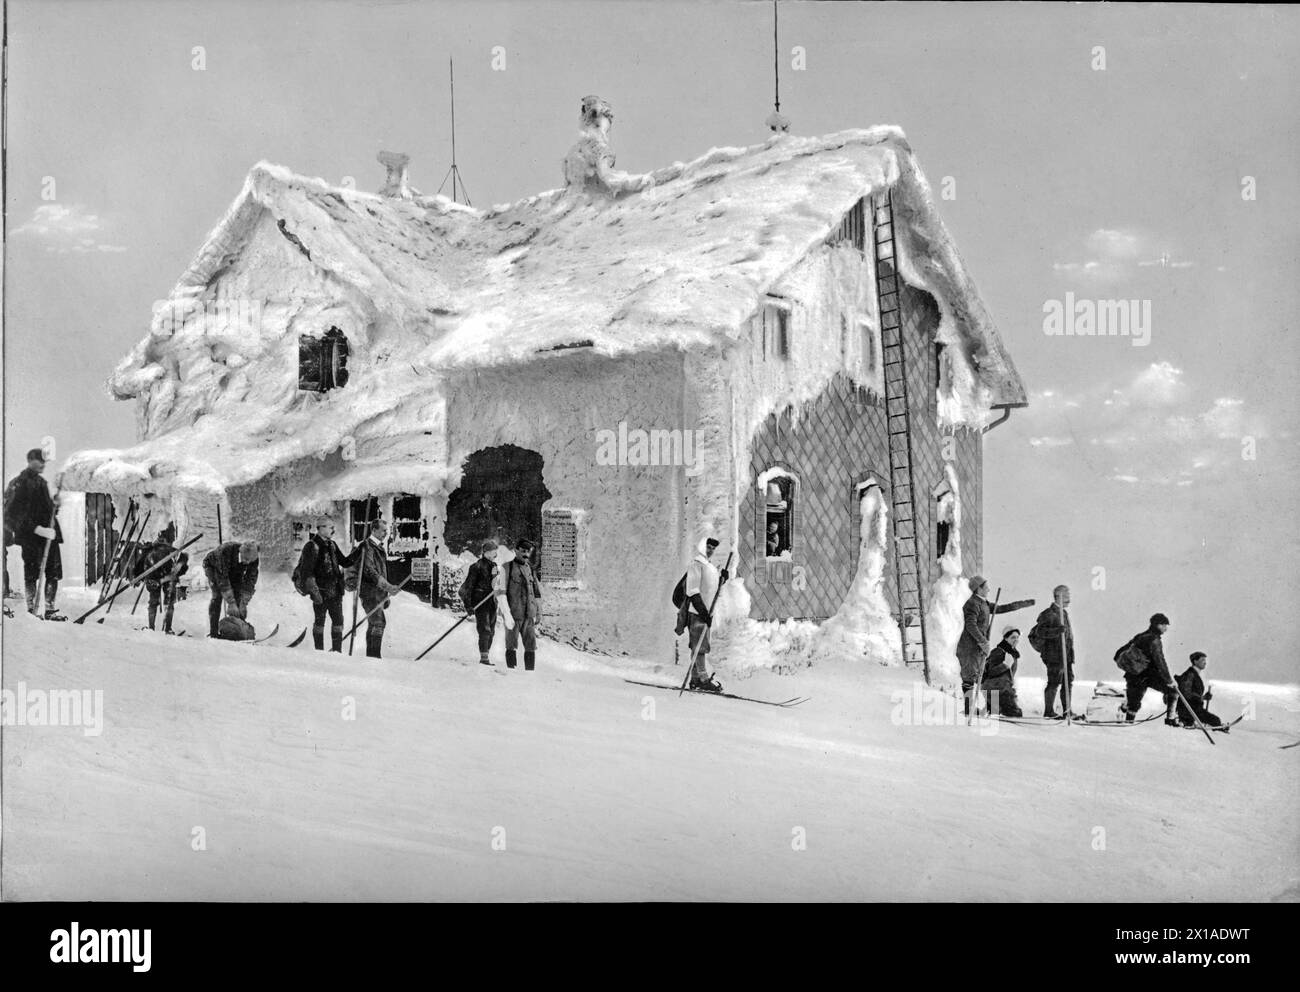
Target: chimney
{"points": [[395, 185]]}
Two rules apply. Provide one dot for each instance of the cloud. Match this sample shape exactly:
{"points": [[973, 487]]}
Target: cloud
{"points": [[1050, 442], [1115, 254], [64, 229]]}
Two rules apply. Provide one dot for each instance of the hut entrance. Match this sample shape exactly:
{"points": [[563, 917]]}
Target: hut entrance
{"points": [[500, 496]]}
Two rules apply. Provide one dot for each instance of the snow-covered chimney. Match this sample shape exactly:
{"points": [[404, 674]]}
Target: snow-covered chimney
{"points": [[395, 184]]}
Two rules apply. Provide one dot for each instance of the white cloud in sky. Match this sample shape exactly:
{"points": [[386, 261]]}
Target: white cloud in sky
{"points": [[1113, 254], [64, 229]]}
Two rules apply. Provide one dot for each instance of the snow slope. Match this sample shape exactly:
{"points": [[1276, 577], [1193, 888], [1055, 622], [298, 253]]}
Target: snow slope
{"points": [[592, 799]]}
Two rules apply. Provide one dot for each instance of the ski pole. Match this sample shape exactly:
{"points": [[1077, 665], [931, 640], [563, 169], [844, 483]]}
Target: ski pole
{"points": [[125, 547], [119, 546], [139, 578], [45, 553], [1065, 676], [365, 541], [976, 690], [128, 564], [380, 606], [467, 615], [707, 627], [1196, 719]]}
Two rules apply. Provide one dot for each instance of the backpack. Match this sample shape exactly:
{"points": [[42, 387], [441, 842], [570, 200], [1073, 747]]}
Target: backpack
{"points": [[300, 572], [352, 571], [1036, 640], [1132, 659], [679, 592]]}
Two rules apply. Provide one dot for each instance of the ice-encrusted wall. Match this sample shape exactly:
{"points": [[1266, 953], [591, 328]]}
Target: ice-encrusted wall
{"points": [[637, 519]]}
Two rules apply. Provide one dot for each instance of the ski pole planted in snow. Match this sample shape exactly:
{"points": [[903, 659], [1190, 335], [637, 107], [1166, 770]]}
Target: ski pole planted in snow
{"points": [[356, 595], [127, 565], [707, 626], [377, 608], [1196, 719], [467, 615], [1066, 694], [979, 676], [140, 578]]}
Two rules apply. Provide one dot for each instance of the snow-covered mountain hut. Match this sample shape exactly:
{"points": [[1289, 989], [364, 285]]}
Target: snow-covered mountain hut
{"points": [[613, 370]]}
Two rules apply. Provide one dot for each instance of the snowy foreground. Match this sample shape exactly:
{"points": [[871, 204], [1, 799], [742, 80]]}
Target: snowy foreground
{"points": [[597, 789]]}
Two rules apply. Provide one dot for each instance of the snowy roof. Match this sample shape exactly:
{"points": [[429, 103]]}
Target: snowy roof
{"points": [[682, 264]]}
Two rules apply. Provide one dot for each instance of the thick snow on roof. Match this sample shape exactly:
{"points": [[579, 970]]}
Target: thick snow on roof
{"points": [[680, 264]]}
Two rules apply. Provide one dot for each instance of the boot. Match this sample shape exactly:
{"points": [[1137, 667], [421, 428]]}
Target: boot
{"points": [[530, 658], [153, 617], [31, 598], [318, 638], [707, 684], [373, 642], [483, 658], [336, 641], [512, 658], [1049, 704]]}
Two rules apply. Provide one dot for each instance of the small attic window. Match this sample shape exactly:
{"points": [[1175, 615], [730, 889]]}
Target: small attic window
{"points": [[323, 361], [938, 366], [776, 327], [852, 228]]}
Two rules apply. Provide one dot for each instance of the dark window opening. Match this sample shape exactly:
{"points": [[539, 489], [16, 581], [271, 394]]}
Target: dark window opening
{"points": [[938, 367], [500, 496], [779, 517], [852, 228], [363, 513], [323, 361]]}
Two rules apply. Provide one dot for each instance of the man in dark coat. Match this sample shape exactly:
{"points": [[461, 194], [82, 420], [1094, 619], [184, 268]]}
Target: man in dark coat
{"points": [[1000, 676], [522, 606], [1054, 624], [476, 593], [1197, 694], [973, 645], [162, 583], [29, 512], [232, 576], [374, 587], [1143, 662], [321, 573]]}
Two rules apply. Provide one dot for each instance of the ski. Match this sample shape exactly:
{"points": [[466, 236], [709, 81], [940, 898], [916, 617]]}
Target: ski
{"points": [[783, 703], [299, 639], [264, 638], [1283, 747]]}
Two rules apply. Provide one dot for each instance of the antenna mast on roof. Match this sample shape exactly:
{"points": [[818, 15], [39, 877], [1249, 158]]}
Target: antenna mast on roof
{"points": [[454, 173], [777, 122]]}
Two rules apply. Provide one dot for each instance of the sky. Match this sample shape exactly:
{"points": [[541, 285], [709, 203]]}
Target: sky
{"points": [[1116, 152]]}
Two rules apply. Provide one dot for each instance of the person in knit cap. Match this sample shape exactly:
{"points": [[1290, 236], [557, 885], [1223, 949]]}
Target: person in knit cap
{"points": [[476, 593], [1053, 638], [1143, 662], [977, 623], [1000, 676]]}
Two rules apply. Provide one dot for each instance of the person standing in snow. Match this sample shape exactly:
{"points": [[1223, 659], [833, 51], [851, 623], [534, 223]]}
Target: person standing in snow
{"points": [[232, 570], [320, 571], [162, 583], [703, 581], [520, 596], [977, 623], [373, 587], [29, 509], [476, 593], [1046, 638], [1197, 694], [1000, 676], [1143, 662]]}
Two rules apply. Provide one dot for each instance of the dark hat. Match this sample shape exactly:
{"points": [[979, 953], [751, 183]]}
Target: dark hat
{"points": [[1009, 631], [523, 544], [712, 542], [36, 453], [1158, 618]]}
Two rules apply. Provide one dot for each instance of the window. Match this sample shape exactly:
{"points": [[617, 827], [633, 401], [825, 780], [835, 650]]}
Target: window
{"points": [[852, 228], [938, 367], [775, 319], [942, 517], [778, 517], [362, 512], [323, 361]]}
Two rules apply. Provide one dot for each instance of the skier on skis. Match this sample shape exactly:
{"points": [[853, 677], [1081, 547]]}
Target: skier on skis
{"points": [[232, 570], [1045, 637], [1143, 662], [374, 588], [973, 645], [702, 584], [321, 575], [162, 583], [1000, 675], [1194, 689], [520, 597], [476, 593], [28, 510]]}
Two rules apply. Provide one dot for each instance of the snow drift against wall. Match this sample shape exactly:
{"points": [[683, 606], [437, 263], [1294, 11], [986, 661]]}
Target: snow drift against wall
{"points": [[943, 613]]}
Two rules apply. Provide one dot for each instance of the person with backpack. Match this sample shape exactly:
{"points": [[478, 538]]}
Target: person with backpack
{"points": [[520, 596], [1053, 638], [29, 512], [319, 575], [977, 622], [373, 587], [477, 595], [702, 584], [231, 570], [1142, 660], [1196, 693], [161, 584], [1000, 676]]}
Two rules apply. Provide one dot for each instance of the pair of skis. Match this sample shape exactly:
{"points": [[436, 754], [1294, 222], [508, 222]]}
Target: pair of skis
{"points": [[783, 703]]}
